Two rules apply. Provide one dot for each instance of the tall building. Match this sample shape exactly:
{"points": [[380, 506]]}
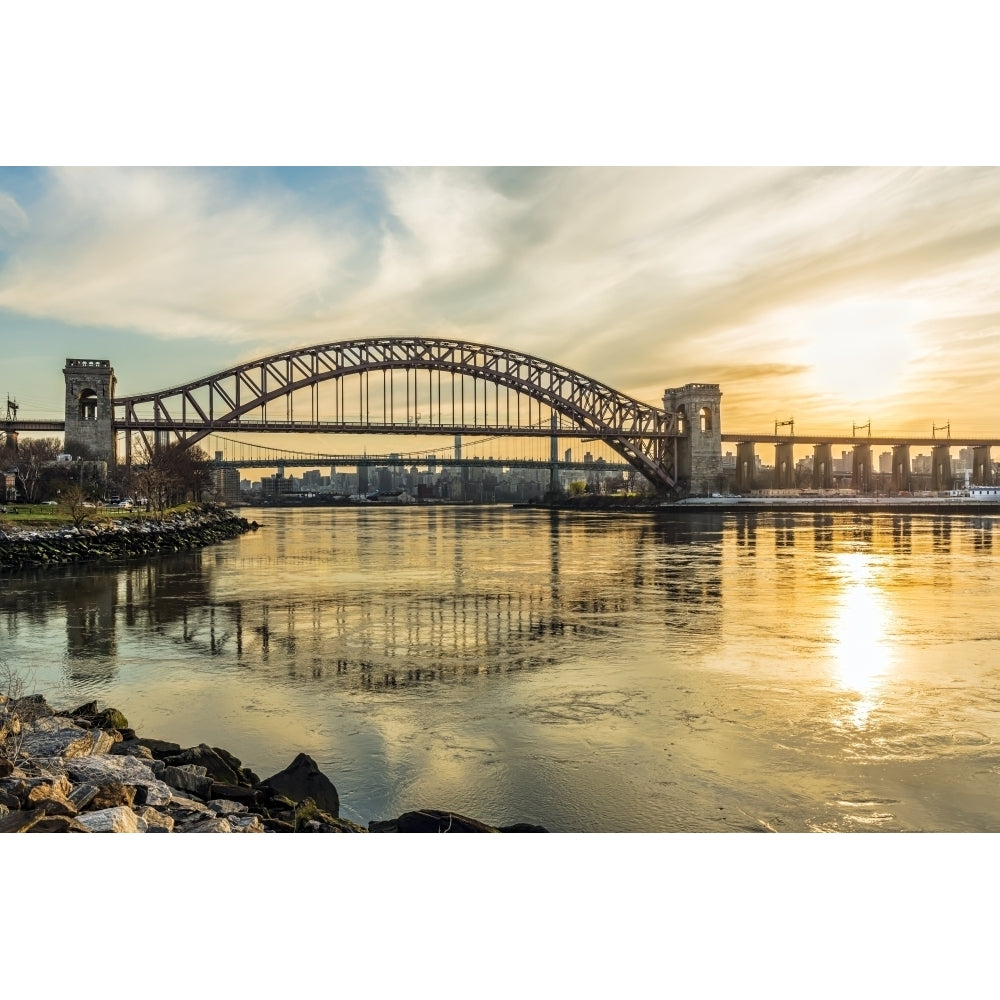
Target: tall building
{"points": [[226, 483]]}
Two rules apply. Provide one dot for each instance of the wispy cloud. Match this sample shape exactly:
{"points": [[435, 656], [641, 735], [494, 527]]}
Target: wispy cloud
{"points": [[168, 253]]}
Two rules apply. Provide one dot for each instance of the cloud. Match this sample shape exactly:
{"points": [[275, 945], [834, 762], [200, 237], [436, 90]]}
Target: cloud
{"points": [[12, 218], [168, 252]]}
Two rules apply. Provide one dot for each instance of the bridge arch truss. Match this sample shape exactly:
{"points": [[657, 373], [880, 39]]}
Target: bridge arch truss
{"points": [[411, 385]]}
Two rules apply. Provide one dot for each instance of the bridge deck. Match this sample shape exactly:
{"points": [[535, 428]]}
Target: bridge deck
{"points": [[813, 439]]}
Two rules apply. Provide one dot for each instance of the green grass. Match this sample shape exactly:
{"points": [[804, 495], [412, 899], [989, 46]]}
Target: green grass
{"points": [[37, 515]]}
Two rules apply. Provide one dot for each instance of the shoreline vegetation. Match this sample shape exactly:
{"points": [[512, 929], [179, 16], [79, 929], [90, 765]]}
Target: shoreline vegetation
{"points": [[87, 771], [27, 545]]}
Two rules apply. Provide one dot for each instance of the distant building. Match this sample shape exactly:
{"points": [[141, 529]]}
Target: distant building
{"points": [[226, 483]]}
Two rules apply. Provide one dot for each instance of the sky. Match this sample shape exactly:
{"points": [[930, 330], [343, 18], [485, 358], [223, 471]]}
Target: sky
{"points": [[832, 296]]}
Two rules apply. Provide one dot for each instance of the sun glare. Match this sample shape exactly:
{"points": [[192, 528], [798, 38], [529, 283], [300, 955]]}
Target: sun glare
{"points": [[859, 349], [861, 632]]}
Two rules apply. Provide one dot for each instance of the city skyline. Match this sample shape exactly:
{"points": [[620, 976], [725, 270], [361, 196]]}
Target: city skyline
{"points": [[834, 296]]}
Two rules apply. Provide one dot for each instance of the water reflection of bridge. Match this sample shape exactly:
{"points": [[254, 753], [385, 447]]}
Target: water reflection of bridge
{"points": [[374, 638]]}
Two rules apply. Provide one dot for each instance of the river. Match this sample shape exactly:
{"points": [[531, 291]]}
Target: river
{"points": [[585, 672]]}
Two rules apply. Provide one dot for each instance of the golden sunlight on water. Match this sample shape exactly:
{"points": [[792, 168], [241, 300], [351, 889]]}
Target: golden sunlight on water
{"points": [[862, 632]]}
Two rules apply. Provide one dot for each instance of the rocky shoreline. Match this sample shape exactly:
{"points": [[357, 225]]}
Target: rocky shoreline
{"points": [[120, 538], [87, 771]]}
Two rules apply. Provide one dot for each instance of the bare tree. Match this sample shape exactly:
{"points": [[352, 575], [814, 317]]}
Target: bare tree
{"points": [[17, 711], [75, 502], [171, 474], [33, 457]]}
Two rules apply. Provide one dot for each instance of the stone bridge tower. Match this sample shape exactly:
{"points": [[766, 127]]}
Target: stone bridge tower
{"points": [[90, 393], [699, 456]]}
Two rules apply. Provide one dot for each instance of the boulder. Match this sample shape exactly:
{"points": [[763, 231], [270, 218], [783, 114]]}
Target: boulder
{"points": [[206, 757], [226, 807], [20, 820], [303, 779], [246, 824], [186, 780], [82, 795], [111, 718], [156, 821], [105, 769], [58, 824], [218, 824], [132, 748], [246, 776], [54, 736], [430, 821], [120, 819], [249, 797], [159, 748], [112, 794], [50, 799]]}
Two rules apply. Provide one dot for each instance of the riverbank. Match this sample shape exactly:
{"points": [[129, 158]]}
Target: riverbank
{"points": [[87, 771], [118, 539], [780, 505]]}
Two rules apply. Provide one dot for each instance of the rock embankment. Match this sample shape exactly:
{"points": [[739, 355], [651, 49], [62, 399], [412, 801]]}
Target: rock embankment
{"points": [[120, 539], [86, 771]]}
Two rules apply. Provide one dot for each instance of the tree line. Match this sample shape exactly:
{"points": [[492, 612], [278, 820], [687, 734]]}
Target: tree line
{"points": [[159, 477]]}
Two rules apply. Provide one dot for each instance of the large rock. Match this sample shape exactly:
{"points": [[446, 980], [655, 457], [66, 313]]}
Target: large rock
{"points": [[38, 821], [159, 748], [54, 736], [303, 779], [20, 820], [58, 824], [111, 718], [204, 756], [52, 799], [120, 819], [226, 807], [248, 797], [247, 824], [186, 779], [430, 821], [156, 821], [105, 770], [133, 748], [218, 824], [114, 793]]}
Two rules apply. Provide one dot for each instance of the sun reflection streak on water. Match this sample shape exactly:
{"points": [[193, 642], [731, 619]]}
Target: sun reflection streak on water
{"points": [[862, 632]]}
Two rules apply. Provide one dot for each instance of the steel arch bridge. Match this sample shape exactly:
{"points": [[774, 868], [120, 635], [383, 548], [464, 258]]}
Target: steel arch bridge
{"points": [[409, 385]]}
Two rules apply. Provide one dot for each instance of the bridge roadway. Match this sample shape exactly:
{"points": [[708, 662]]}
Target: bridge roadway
{"points": [[33, 425], [902, 439], [306, 427], [333, 427], [298, 462]]}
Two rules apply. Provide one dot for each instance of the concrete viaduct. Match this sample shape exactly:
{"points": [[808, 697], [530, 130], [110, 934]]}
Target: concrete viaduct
{"points": [[862, 473]]}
